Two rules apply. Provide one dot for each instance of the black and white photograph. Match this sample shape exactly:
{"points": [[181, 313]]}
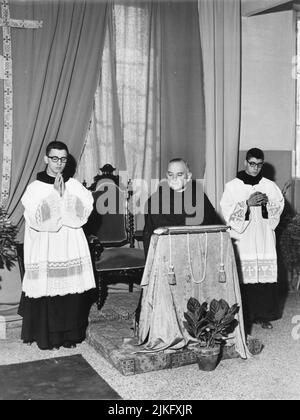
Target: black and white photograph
{"points": [[150, 202]]}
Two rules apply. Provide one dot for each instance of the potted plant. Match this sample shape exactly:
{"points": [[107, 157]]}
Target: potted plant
{"points": [[8, 233], [10, 269], [210, 325]]}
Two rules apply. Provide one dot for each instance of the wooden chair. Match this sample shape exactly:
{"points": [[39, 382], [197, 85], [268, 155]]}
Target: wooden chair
{"points": [[110, 231]]}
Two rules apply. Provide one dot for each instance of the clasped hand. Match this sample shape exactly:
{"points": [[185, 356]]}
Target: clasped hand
{"points": [[257, 199], [59, 184]]}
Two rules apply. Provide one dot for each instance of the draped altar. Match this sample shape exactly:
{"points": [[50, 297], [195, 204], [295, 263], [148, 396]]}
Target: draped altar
{"points": [[186, 262]]}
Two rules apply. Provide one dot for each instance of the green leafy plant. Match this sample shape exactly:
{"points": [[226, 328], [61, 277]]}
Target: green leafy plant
{"points": [[8, 233], [212, 324]]}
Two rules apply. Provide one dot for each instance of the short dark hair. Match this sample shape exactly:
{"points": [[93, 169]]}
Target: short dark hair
{"points": [[59, 145], [175, 160], [255, 153]]}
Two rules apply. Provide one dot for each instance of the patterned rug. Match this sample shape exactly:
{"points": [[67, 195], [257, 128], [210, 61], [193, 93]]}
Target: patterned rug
{"points": [[118, 306], [61, 378]]}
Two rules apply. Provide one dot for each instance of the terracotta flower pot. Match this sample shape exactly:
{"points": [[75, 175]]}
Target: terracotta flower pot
{"points": [[208, 358]]}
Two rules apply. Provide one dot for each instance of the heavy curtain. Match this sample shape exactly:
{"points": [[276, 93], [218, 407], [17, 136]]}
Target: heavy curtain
{"points": [[182, 93], [220, 28], [55, 73], [149, 106], [153, 113]]}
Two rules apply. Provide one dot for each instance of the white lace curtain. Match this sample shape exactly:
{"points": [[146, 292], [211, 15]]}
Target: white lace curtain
{"points": [[125, 125]]}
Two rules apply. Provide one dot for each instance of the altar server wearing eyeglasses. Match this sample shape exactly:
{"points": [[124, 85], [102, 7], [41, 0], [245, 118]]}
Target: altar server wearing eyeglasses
{"points": [[59, 280], [251, 206]]}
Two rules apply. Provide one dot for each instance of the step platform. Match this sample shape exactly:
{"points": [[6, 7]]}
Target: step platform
{"points": [[10, 322], [111, 334], [123, 353]]}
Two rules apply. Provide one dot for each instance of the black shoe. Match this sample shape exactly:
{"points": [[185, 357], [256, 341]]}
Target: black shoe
{"points": [[266, 325], [68, 345]]}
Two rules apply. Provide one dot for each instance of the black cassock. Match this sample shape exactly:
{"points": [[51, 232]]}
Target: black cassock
{"points": [[167, 207]]}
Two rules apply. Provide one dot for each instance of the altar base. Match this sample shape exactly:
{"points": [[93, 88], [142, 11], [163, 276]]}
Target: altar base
{"points": [[111, 334]]}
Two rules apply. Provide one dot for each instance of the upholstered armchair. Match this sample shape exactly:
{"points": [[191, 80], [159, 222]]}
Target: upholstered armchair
{"points": [[111, 234]]}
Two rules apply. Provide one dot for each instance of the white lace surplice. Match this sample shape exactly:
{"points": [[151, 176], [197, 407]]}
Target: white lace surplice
{"points": [[56, 253], [254, 238]]}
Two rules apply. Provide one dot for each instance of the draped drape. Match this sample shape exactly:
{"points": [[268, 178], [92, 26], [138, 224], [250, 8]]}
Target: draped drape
{"points": [[152, 67], [182, 97], [55, 73], [220, 28]]}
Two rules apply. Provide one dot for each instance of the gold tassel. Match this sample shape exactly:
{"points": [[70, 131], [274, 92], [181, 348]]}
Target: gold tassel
{"points": [[222, 274], [171, 275]]}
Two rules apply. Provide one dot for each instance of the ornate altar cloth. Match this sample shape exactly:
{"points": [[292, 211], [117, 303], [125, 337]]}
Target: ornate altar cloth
{"points": [[184, 262]]}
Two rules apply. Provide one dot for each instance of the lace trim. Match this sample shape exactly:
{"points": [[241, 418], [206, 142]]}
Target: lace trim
{"points": [[44, 212], [57, 269], [80, 209], [48, 209], [75, 205], [274, 210], [261, 270], [239, 213]]}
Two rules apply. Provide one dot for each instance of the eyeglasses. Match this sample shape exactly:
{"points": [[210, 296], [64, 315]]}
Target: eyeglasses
{"points": [[253, 164], [55, 159]]}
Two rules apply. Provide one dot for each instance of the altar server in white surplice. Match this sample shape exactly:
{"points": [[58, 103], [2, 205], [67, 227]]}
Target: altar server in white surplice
{"points": [[58, 282], [251, 206]]}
